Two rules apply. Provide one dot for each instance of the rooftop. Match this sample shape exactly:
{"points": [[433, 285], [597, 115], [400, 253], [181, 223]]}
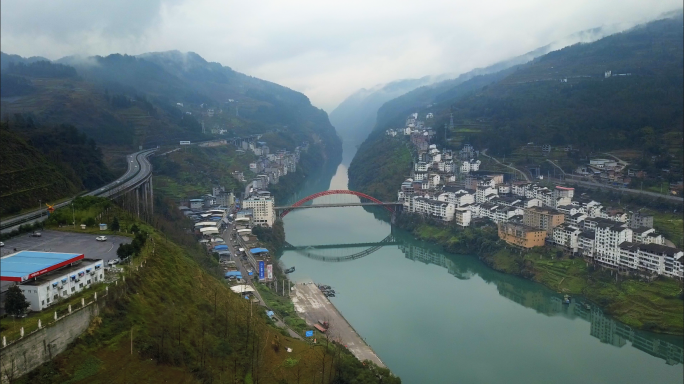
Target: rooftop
{"points": [[64, 271], [25, 265]]}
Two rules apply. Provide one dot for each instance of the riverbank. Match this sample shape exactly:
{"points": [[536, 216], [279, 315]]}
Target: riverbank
{"points": [[655, 306]]}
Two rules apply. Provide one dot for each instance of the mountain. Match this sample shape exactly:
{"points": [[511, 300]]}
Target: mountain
{"points": [[394, 111], [355, 117], [160, 98], [6, 60], [565, 97], [387, 104]]}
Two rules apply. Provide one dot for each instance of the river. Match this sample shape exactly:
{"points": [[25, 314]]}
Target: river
{"points": [[433, 317]]}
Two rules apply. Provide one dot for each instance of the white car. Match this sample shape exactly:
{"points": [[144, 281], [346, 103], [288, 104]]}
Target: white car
{"points": [[113, 262], [101, 238]]}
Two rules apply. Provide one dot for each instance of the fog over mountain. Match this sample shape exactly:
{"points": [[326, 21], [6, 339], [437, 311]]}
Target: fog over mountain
{"points": [[356, 116], [327, 50]]}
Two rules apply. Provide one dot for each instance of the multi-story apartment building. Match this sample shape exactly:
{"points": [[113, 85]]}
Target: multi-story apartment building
{"points": [[654, 259], [521, 235], [609, 236], [462, 217], [435, 208], [543, 218], [585, 242], [637, 220], [262, 207], [567, 236]]}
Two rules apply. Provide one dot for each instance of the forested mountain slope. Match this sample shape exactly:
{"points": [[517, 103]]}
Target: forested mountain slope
{"points": [[45, 164], [159, 98], [565, 97]]}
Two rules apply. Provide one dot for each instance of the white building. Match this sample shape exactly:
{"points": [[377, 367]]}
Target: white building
{"points": [[462, 216], [48, 289], [567, 236], [262, 206], [653, 259], [432, 207], [609, 236]]}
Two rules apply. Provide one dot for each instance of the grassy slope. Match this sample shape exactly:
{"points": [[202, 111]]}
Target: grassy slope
{"points": [[193, 171], [654, 306], [171, 293]]}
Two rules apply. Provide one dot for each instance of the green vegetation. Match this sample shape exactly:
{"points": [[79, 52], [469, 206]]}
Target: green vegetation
{"points": [[192, 171], [655, 306], [29, 177], [671, 225], [272, 238], [380, 166], [15, 302], [186, 325], [159, 98], [283, 307]]}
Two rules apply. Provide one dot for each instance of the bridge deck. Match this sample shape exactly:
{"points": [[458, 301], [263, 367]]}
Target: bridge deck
{"points": [[333, 205]]}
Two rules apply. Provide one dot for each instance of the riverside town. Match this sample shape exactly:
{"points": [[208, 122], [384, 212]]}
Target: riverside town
{"points": [[206, 192]]}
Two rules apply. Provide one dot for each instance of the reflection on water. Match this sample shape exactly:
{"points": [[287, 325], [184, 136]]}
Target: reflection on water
{"points": [[483, 326], [545, 301]]}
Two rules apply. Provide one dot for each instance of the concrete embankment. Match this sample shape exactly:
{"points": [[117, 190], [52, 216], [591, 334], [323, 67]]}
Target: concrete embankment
{"points": [[312, 306]]}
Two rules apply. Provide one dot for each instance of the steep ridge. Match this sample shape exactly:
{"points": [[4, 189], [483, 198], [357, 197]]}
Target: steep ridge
{"points": [[355, 117], [160, 98], [564, 97]]}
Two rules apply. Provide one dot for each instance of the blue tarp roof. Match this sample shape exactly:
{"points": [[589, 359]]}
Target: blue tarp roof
{"points": [[22, 264], [270, 313], [234, 273], [222, 246], [258, 250]]}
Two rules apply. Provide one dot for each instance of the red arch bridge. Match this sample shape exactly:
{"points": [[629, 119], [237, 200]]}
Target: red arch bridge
{"points": [[364, 200]]}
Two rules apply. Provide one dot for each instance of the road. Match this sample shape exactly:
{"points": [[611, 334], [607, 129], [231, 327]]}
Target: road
{"points": [[242, 266], [556, 165], [139, 168], [484, 152], [313, 306], [626, 190]]}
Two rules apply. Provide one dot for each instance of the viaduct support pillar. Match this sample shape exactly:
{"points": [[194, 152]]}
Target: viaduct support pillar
{"points": [[137, 200], [151, 196]]}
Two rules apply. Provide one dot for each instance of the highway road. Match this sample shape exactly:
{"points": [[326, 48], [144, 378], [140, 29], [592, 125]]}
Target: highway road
{"points": [[139, 168]]}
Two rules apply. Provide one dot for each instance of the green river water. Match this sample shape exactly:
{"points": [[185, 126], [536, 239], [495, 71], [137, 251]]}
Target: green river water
{"points": [[434, 317]]}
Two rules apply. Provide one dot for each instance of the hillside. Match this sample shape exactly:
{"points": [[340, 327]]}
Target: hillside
{"points": [[174, 319], [355, 117], [159, 98], [27, 176], [564, 98], [443, 92]]}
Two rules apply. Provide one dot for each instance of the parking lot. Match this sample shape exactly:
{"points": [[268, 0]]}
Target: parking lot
{"points": [[55, 241]]}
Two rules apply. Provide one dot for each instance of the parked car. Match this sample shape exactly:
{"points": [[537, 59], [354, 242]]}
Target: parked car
{"points": [[113, 262], [36, 234], [2, 244], [101, 238]]}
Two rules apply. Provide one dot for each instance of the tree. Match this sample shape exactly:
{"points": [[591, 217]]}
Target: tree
{"points": [[16, 303], [90, 222], [135, 228], [115, 224], [124, 251]]}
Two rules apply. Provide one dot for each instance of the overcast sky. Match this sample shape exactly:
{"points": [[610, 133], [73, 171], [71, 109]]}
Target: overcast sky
{"points": [[325, 49]]}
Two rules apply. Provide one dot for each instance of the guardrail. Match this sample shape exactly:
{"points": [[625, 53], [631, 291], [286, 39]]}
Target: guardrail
{"points": [[116, 187]]}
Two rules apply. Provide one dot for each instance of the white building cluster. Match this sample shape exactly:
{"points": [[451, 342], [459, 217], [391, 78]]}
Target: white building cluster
{"points": [[610, 237]]}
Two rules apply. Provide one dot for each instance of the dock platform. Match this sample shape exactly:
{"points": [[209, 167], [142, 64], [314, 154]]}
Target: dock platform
{"points": [[312, 305]]}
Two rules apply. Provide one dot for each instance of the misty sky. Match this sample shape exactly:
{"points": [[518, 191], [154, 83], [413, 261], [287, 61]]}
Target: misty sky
{"points": [[325, 49]]}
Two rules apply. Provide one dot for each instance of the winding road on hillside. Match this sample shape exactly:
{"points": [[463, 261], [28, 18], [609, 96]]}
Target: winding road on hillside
{"points": [[484, 152]]}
